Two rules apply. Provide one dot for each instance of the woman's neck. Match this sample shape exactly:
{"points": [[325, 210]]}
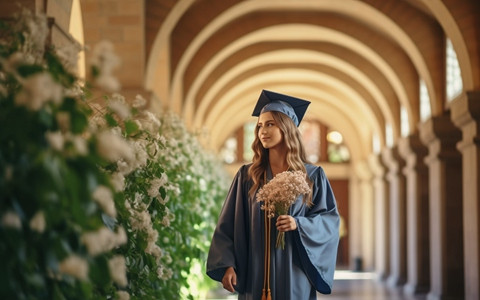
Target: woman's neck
{"points": [[277, 160]]}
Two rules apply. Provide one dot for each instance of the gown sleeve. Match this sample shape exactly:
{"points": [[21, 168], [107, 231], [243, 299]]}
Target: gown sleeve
{"points": [[317, 234], [229, 246]]}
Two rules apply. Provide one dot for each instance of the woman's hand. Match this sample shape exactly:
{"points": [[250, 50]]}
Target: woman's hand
{"points": [[229, 280], [286, 223]]}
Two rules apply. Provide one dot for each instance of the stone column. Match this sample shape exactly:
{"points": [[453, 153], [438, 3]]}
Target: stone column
{"points": [[466, 116], [396, 198], [382, 228], [417, 211], [446, 215], [365, 224]]}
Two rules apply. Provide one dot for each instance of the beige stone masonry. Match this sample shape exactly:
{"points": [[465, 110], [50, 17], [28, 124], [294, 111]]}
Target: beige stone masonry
{"points": [[417, 214], [446, 220], [396, 198], [382, 227], [466, 116]]}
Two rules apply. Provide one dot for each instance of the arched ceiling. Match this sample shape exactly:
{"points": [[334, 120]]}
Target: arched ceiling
{"points": [[357, 61]]}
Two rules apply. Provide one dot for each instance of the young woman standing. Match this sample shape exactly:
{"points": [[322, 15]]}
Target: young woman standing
{"points": [[242, 254]]}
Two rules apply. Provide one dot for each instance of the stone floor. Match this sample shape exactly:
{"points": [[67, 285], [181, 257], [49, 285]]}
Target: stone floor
{"points": [[347, 285], [363, 286]]}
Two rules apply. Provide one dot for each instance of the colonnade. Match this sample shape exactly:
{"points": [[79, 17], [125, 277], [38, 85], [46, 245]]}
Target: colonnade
{"points": [[426, 206]]}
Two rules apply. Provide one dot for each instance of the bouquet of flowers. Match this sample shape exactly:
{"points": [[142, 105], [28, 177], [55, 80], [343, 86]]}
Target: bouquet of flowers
{"points": [[280, 193]]}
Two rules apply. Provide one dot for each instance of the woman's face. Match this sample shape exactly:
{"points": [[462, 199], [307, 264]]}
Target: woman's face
{"points": [[269, 133]]}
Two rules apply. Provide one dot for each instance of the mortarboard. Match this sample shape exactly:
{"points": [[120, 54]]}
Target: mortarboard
{"points": [[294, 108]]}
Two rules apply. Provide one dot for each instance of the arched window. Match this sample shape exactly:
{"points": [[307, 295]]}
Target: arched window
{"points": [[248, 138], [389, 135], [337, 150], [454, 76], [425, 109], [228, 153], [311, 134], [376, 144], [404, 125]]}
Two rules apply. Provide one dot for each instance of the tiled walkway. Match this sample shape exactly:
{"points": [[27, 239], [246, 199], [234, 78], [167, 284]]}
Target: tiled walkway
{"points": [[348, 285]]}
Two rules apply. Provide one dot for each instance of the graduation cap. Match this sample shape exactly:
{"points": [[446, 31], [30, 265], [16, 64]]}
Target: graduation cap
{"points": [[294, 108]]}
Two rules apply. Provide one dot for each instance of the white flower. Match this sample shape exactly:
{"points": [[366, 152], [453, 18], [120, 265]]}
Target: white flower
{"points": [[139, 101], [74, 266], [122, 295], [106, 62], [118, 181], [103, 240], [38, 31], [203, 184], [12, 220], [164, 273], [121, 236], [108, 83], [166, 221], [37, 90], [80, 144], [163, 200], [37, 222], [68, 54], [113, 147], [63, 119], [118, 270], [120, 109], [14, 60], [149, 121], [103, 196], [156, 184], [55, 139]]}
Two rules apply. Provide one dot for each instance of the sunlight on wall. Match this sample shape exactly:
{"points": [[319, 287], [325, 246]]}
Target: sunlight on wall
{"points": [[76, 30]]}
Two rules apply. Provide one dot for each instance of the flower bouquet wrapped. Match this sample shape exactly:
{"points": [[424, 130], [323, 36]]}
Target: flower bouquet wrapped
{"points": [[280, 193]]}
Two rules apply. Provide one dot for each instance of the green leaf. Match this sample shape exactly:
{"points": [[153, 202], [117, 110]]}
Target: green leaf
{"points": [[111, 120], [28, 70], [130, 127]]}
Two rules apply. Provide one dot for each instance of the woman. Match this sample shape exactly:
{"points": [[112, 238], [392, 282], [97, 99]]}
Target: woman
{"points": [[237, 255]]}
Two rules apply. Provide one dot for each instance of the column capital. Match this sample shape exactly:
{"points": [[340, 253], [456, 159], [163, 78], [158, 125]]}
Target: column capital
{"points": [[362, 170], [466, 116], [392, 159], [440, 136], [412, 149], [466, 108], [376, 165]]}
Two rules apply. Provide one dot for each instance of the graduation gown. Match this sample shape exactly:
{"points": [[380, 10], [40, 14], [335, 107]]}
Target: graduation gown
{"points": [[307, 263]]}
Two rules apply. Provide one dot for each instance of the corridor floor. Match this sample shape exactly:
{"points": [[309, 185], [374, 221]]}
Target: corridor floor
{"points": [[348, 286], [363, 286]]}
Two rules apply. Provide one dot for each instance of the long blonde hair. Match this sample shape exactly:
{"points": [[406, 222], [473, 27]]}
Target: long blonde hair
{"points": [[296, 157]]}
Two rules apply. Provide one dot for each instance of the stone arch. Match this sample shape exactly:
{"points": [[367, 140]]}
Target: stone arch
{"points": [[467, 54], [368, 15]]}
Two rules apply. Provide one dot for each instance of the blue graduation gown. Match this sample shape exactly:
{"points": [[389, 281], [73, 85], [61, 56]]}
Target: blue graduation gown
{"points": [[307, 263]]}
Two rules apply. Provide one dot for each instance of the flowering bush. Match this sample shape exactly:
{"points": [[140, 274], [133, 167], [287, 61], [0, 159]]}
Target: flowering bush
{"points": [[172, 191], [53, 194], [115, 204]]}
